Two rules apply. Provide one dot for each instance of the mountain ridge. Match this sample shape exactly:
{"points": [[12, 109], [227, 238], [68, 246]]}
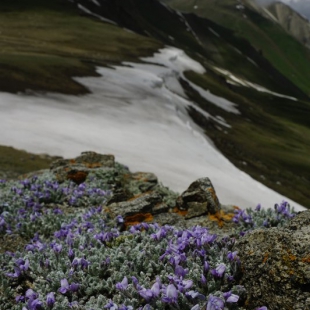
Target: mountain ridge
{"points": [[268, 139]]}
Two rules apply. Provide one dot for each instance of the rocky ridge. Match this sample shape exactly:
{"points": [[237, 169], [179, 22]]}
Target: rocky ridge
{"points": [[275, 261], [272, 246]]}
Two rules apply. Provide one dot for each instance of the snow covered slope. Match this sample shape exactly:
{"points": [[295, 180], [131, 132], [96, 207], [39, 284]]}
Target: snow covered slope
{"points": [[138, 112]]}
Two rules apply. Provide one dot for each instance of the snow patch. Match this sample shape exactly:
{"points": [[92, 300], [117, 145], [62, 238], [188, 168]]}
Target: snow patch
{"points": [[132, 113], [232, 79]]}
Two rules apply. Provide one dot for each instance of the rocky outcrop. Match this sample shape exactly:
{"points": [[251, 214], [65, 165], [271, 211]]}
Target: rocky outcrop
{"points": [[292, 22], [276, 265], [77, 169], [139, 197]]}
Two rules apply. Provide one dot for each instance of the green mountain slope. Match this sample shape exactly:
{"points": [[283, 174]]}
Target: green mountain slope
{"points": [[289, 56], [45, 43], [269, 139]]}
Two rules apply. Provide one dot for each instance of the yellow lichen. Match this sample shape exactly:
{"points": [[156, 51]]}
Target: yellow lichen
{"points": [[266, 256], [138, 218], [180, 212], [221, 217]]}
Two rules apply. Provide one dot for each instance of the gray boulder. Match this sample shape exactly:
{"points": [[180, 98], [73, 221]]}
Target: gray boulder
{"points": [[276, 265]]}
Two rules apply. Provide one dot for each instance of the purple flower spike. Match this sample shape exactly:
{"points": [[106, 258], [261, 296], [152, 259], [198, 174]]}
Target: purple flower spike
{"points": [[203, 279], [230, 297], [74, 287], [123, 307], [219, 271], [261, 308], [50, 299], [180, 271], [258, 207], [64, 286], [30, 294], [35, 304], [146, 294], [120, 220], [111, 306], [122, 285], [155, 289], [232, 255], [71, 254], [171, 294], [16, 273], [57, 248], [206, 266], [215, 303], [19, 298]]}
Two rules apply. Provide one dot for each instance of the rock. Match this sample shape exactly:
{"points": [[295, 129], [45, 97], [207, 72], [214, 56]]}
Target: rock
{"points": [[199, 199], [78, 169], [276, 265], [150, 202], [138, 197]]}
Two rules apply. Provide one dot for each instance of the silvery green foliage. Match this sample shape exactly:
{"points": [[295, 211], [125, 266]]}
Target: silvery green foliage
{"points": [[80, 258], [29, 205], [94, 256], [250, 219]]}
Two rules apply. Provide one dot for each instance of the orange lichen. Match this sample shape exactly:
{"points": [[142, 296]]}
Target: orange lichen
{"points": [[180, 212], [92, 165], [213, 194], [306, 259], [220, 217], [72, 161], [138, 218], [138, 195], [266, 256], [77, 177], [289, 257]]}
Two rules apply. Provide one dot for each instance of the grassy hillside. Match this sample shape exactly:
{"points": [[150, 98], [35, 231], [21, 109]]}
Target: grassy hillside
{"points": [[289, 56], [45, 43]]}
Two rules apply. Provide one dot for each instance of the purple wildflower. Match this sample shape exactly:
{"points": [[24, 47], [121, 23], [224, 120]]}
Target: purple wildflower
{"points": [[56, 247], [232, 255], [149, 294], [50, 299], [193, 295], [230, 297], [111, 306], [171, 294], [65, 287], [121, 286], [16, 273], [30, 294], [215, 303], [180, 271], [19, 298], [219, 271], [35, 304]]}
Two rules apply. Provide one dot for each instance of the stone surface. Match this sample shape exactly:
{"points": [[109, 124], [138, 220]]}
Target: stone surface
{"points": [[276, 265], [138, 196], [200, 198], [78, 169]]}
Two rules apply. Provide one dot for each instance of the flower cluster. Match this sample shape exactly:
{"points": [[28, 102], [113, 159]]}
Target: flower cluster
{"points": [[30, 204], [250, 219], [78, 257]]}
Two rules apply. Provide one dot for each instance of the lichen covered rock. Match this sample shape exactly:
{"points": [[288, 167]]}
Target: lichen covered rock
{"points": [[200, 198], [276, 265]]}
